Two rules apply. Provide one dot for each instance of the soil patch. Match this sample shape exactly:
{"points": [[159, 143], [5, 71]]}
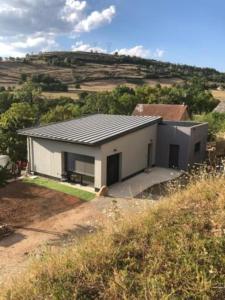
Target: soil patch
{"points": [[22, 204]]}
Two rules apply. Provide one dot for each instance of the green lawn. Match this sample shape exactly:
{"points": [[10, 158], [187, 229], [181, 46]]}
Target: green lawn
{"points": [[57, 186]]}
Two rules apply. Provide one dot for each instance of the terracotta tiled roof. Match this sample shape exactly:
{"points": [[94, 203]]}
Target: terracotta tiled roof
{"points": [[169, 112]]}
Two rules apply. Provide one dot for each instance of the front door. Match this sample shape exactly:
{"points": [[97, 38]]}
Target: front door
{"points": [[174, 156], [113, 169]]}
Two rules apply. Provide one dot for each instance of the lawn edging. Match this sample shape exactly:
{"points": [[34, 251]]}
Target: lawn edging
{"points": [[59, 187]]}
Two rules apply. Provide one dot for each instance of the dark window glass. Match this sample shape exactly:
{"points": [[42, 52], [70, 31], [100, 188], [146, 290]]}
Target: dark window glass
{"points": [[197, 147], [80, 164]]}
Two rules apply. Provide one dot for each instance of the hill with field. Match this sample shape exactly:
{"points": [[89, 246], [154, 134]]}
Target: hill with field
{"points": [[173, 251], [97, 70]]}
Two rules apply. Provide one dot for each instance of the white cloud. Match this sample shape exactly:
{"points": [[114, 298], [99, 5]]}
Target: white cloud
{"points": [[159, 53], [80, 46], [29, 24], [72, 10], [139, 51], [7, 50], [96, 19], [18, 45]]}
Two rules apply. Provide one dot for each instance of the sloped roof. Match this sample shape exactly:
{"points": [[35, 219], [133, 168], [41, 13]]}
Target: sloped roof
{"points": [[91, 130], [169, 112], [220, 107]]}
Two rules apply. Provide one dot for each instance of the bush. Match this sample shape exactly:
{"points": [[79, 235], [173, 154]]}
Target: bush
{"points": [[2, 89], [4, 175], [216, 123], [48, 83]]}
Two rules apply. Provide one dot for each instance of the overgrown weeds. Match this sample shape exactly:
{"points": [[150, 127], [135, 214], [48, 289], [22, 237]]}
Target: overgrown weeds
{"points": [[173, 251]]}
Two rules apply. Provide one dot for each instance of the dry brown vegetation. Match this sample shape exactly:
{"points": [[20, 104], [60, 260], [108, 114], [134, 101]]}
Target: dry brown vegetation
{"points": [[220, 95], [96, 76], [173, 251], [54, 95]]}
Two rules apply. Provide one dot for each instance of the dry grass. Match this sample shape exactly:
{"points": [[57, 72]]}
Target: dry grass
{"points": [[56, 95], [220, 95], [110, 84], [174, 251], [93, 74]]}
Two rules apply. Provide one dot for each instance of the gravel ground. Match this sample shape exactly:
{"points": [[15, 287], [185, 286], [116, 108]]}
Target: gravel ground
{"points": [[17, 250]]}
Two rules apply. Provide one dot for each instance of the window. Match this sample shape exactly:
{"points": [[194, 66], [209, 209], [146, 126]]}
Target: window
{"points": [[80, 164], [197, 147]]}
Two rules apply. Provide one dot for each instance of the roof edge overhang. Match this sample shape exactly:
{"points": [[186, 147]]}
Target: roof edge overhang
{"points": [[99, 143]]}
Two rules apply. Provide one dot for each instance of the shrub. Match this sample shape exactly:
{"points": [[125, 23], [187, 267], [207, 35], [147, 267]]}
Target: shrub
{"points": [[77, 86], [4, 175], [216, 123]]}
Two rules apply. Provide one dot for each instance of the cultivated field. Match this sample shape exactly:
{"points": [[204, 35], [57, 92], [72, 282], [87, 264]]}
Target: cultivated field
{"points": [[103, 86], [95, 76]]}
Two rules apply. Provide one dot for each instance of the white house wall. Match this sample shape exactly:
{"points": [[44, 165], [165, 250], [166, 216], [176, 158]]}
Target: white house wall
{"points": [[46, 157], [134, 151]]}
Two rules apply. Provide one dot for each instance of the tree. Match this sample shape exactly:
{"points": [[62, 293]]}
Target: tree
{"points": [[28, 93], [2, 89], [61, 113], [20, 115], [6, 100], [23, 77]]}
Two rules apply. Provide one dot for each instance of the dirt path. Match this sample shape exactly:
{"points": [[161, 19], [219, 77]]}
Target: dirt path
{"points": [[17, 250]]}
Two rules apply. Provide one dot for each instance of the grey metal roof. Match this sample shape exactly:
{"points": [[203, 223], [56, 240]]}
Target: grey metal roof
{"points": [[91, 130]]}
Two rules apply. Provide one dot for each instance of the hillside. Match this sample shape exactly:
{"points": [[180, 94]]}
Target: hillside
{"points": [[83, 67], [174, 251]]}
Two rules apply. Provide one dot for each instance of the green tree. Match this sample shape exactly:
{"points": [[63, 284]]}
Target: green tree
{"points": [[29, 93], [23, 78], [61, 113], [20, 115], [6, 100], [216, 123]]}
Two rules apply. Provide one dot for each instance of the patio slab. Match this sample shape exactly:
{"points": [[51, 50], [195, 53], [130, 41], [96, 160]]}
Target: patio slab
{"points": [[132, 187]]}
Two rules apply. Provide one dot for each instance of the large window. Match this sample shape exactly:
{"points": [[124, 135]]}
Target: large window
{"points": [[80, 164]]}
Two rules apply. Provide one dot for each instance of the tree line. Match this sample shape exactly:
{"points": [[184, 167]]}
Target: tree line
{"points": [[26, 107]]}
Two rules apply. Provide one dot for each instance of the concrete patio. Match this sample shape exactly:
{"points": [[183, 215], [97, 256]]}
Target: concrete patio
{"points": [[132, 187]]}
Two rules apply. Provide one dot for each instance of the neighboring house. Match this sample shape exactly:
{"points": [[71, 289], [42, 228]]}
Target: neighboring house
{"points": [[220, 107], [169, 112], [105, 149]]}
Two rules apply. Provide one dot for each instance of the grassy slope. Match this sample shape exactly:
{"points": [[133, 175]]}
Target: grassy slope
{"points": [[57, 186], [175, 251]]}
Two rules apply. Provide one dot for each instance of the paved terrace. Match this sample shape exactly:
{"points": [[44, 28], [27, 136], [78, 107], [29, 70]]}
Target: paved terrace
{"points": [[132, 187]]}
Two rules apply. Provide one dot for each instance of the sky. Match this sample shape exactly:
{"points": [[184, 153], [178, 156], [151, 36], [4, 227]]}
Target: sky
{"points": [[179, 31]]}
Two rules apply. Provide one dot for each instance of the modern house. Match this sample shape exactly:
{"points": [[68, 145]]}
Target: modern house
{"points": [[169, 112], [105, 149]]}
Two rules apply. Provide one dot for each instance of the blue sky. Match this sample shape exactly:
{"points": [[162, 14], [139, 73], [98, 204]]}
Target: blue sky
{"points": [[190, 32]]}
